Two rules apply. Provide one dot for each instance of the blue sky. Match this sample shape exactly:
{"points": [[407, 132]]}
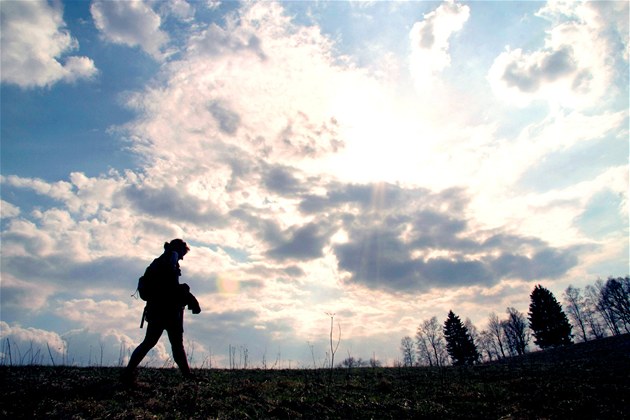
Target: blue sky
{"points": [[383, 161]]}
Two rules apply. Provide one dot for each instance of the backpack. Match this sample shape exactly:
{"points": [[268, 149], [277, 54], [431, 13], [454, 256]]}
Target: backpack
{"points": [[149, 283]]}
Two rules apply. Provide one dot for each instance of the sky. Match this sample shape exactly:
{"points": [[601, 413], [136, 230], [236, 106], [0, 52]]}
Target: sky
{"points": [[385, 162]]}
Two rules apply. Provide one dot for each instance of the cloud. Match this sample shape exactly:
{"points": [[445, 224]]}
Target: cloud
{"points": [[216, 40], [422, 246], [430, 40], [180, 9], [131, 23], [528, 73], [612, 17], [112, 276], [36, 44], [227, 119], [301, 243], [8, 210], [29, 345], [173, 204], [573, 69], [59, 190]]}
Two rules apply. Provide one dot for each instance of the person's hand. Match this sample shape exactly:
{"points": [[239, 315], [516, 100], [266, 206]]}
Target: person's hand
{"points": [[194, 306]]}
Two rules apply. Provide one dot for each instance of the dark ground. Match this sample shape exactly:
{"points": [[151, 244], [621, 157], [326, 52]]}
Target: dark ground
{"points": [[588, 380]]}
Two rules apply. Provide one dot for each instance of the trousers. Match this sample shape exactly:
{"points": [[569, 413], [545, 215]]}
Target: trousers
{"points": [[155, 328]]}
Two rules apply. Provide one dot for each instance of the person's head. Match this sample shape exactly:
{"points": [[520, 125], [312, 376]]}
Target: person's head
{"points": [[178, 246]]}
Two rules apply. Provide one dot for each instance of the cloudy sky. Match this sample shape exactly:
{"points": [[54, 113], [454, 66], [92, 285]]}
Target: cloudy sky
{"points": [[383, 161]]}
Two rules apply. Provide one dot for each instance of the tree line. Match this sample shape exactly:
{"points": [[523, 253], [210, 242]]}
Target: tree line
{"points": [[600, 310]]}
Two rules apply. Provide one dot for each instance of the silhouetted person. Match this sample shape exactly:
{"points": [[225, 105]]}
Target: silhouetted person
{"points": [[166, 301]]}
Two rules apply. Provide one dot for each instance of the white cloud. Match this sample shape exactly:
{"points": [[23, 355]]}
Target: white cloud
{"points": [[8, 210], [180, 9], [35, 44], [132, 23], [430, 41], [101, 315], [59, 190], [82, 347], [572, 70], [29, 345], [213, 4], [20, 296]]}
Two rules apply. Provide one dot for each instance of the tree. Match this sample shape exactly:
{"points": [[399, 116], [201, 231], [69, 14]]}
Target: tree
{"points": [[576, 309], [459, 344], [351, 362], [595, 293], [408, 351], [487, 346], [515, 330], [495, 330], [472, 331], [430, 343], [547, 320], [614, 300], [594, 319]]}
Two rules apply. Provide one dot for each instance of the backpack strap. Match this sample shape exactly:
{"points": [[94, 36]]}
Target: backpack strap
{"points": [[144, 316]]}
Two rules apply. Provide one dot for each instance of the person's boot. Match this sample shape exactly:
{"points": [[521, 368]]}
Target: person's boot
{"points": [[128, 377]]}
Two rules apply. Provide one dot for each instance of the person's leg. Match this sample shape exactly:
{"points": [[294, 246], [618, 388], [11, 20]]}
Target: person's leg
{"points": [[176, 337], [154, 332]]}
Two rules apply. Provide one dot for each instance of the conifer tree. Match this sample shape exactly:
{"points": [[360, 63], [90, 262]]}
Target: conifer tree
{"points": [[459, 344], [547, 320]]}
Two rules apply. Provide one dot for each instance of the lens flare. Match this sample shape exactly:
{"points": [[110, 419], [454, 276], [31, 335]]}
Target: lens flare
{"points": [[227, 284]]}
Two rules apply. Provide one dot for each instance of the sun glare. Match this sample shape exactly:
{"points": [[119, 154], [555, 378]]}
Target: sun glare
{"points": [[227, 284]]}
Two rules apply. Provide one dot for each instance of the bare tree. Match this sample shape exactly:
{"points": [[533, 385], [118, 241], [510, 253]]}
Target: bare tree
{"points": [[408, 351], [487, 346], [594, 320], [333, 348], [374, 362], [516, 331], [615, 297], [576, 309], [431, 344], [352, 362], [599, 297], [496, 331], [472, 331]]}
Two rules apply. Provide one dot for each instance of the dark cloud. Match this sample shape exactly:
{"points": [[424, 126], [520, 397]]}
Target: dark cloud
{"points": [[405, 239], [301, 243], [545, 263], [412, 239], [552, 66], [378, 259], [442, 272], [228, 120], [173, 204], [438, 230], [426, 38], [294, 271], [113, 274], [281, 180], [377, 197]]}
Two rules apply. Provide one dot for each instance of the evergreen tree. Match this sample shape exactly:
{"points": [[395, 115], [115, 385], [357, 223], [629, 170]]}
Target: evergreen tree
{"points": [[547, 320], [459, 344]]}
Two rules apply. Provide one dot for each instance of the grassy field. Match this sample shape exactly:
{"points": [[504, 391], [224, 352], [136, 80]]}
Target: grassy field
{"points": [[588, 380]]}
